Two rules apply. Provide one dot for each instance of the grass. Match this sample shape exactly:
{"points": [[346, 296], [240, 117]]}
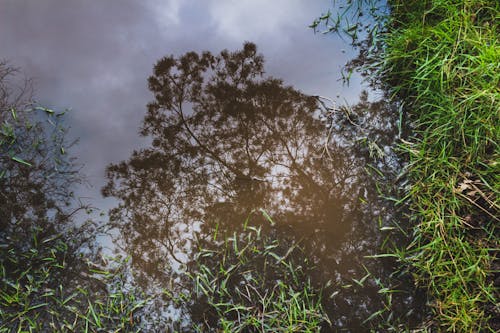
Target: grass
{"points": [[441, 60], [38, 297], [254, 283]]}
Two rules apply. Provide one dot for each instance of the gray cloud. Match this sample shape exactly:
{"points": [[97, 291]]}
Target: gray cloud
{"points": [[95, 56]]}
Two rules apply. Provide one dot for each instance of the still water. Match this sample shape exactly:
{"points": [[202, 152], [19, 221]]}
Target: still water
{"points": [[232, 148], [227, 151]]}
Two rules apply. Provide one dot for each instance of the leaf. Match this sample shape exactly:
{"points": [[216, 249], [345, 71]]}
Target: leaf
{"points": [[373, 315], [267, 217], [20, 160], [50, 111], [387, 228], [462, 187], [383, 255]]}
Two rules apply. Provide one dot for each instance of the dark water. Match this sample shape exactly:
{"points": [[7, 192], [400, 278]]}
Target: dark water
{"points": [[230, 145]]}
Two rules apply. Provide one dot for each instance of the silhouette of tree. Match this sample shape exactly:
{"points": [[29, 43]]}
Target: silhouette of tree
{"points": [[223, 135]]}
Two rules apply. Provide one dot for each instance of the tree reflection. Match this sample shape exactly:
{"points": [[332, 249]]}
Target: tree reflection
{"points": [[36, 178], [51, 276], [228, 140]]}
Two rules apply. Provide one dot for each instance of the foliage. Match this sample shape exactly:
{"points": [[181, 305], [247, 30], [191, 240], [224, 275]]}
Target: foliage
{"points": [[225, 140], [39, 297], [36, 174], [444, 59], [364, 24]]}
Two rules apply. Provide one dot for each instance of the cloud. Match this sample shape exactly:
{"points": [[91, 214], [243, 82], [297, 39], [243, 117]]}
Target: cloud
{"points": [[253, 19], [166, 12]]}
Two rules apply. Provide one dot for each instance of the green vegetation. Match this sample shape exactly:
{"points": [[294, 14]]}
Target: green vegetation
{"points": [[226, 140], [441, 59], [254, 283], [40, 296]]}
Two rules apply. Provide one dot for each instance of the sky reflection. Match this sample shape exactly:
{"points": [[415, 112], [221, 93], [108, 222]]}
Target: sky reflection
{"points": [[94, 57]]}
